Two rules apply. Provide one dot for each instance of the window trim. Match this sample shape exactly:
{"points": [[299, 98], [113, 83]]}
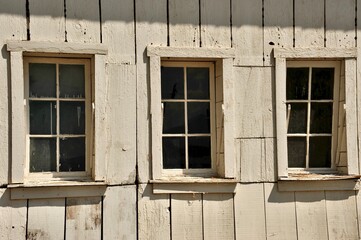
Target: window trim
{"points": [[96, 52], [226, 55], [348, 55]]}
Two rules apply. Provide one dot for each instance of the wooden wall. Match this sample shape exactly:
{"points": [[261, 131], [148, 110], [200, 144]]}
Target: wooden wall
{"points": [[129, 209]]}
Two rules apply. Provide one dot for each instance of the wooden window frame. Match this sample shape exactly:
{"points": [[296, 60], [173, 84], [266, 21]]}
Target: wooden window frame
{"points": [[348, 56], [225, 168], [95, 53]]}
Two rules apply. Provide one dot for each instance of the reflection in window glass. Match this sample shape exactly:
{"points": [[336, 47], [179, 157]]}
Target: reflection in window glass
{"points": [[42, 117], [173, 152], [42, 154], [72, 154], [172, 82], [72, 81], [42, 80]]}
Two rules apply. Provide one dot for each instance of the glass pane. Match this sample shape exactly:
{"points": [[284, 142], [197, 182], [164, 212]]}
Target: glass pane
{"points": [[320, 152], [72, 154], [297, 83], [42, 80], [42, 117], [72, 117], [298, 118], [321, 117], [173, 152], [322, 83], [173, 118], [72, 81], [172, 82], [296, 152], [199, 150], [198, 83], [42, 154], [198, 117]]}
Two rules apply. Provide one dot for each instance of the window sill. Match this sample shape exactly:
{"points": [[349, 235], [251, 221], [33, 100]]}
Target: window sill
{"points": [[57, 189], [193, 185], [318, 182]]}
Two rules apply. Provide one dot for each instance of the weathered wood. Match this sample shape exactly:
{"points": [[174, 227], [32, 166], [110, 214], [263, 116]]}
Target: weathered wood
{"points": [[153, 214], [82, 23], [189, 52], [254, 102], [83, 218], [218, 216], [315, 52], [309, 23], [318, 185], [151, 29], [184, 23], [118, 30], [278, 27], [340, 23], [47, 21], [341, 215], [46, 219], [358, 205], [119, 213], [280, 213], [311, 215], [249, 212], [186, 216], [247, 32], [215, 23], [121, 122], [13, 217], [216, 187]]}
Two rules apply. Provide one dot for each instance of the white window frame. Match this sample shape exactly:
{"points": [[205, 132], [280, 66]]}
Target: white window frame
{"points": [[96, 53], [226, 168], [348, 56]]}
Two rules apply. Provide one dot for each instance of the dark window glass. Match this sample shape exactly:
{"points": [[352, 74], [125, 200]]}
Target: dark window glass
{"points": [[42, 154], [198, 117], [320, 152], [173, 152], [42, 80], [199, 149], [42, 117], [297, 83], [173, 118], [296, 152], [298, 118], [72, 154], [72, 117], [321, 118], [198, 83], [172, 82], [72, 81], [322, 83]]}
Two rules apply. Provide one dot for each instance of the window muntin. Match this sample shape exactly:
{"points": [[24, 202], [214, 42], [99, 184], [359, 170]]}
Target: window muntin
{"points": [[188, 107], [312, 90], [58, 95]]}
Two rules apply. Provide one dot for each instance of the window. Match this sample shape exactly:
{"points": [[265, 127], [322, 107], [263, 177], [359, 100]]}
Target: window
{"points": [[58, 107], [192, 113], [58, 93], [316, 112]]}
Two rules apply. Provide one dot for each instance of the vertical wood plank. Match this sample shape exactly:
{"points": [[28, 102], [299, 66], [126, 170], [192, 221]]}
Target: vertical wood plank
{"points": [[186, 216], [83, 218], [153, 214], [151, 28], [119, 213], [82, 23], [278, 27], [311, 215], [184, 23], [121, 121], [340, 23], [218, 216], [46, 219], [13, 27], [118, 30], [247, 32], [249, 212], [215, 23], [47, 21], [280, 213], [309, 23], [13, 217], [341, 215]]}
